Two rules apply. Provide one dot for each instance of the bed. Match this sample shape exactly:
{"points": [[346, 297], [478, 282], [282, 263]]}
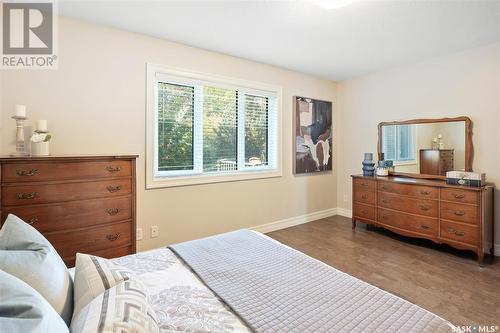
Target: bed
{"points": [[192, 298]]}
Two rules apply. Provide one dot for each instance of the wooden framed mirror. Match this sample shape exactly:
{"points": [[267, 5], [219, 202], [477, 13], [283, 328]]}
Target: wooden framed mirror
{"points": [[427, 148]]}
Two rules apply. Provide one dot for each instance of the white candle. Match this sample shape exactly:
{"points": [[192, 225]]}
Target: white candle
{"points": [[41, 125], [20, 110]]}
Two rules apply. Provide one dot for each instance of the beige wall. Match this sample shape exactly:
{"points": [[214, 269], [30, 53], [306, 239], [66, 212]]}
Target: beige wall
{"points": [[95, 104], [467, 83]]}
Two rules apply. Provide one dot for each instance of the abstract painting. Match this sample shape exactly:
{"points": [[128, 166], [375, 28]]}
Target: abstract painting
{"points": [[313, 135]]}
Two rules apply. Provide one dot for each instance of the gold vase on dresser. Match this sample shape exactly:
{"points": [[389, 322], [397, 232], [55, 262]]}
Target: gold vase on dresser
{"points": [[79, 203]]}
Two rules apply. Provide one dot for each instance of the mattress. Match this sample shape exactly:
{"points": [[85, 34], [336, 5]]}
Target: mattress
{"points": [[183, 303]]}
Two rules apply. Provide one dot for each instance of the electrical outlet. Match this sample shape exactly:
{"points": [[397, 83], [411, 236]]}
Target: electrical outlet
{"points": [[138, 236], [154, 231]]}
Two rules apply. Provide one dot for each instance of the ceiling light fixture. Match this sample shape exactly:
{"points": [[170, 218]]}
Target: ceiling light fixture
{"points": [[332, 4]]}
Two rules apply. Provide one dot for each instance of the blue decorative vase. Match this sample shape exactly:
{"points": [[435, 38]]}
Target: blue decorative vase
{"points": [[368, 165]]}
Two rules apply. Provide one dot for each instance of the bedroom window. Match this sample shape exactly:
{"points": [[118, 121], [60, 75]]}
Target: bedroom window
{"points": [[399, 143], [204, 129]]}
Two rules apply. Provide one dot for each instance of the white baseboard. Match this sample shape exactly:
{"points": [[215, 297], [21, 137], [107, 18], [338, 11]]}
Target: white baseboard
{"points": [[344, 212], [293, 221]]}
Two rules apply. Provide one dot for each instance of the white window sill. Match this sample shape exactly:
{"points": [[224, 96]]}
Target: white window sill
{"points": [[199, 179]]}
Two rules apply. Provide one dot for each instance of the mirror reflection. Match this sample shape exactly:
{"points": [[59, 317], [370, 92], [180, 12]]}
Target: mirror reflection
{"points": [[429, 148]]}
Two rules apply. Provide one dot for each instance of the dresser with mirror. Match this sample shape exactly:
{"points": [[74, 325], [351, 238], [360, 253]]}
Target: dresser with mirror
{"points": [[415, 200]]}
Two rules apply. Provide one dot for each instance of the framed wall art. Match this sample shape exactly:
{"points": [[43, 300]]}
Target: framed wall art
{"points": [[313, 135]]}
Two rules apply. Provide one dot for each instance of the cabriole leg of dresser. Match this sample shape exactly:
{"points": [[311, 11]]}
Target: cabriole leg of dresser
{"points": [[353, 223], [480, 258]]}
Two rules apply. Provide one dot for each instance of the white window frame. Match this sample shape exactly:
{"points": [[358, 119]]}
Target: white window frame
{"points": [[158, 179]]}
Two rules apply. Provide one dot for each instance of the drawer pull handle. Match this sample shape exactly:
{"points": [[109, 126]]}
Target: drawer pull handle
{"points": [[32, 221], [456, 232], [27, 196], [28, 173], [424, 207], [113, 189], [113, 169], [364, 211], [114, 237], [364, 196], [384, 201], [385, 217], [425, 192], [459, 196], [459, 213], [364, 184], [112, 211], [423, 226], [385, 187]]}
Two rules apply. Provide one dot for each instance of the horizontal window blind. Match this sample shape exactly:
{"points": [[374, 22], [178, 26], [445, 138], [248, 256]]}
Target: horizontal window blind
{"points": [[256, 130], [175, 127], [220, 121], [399, 142], [205, 128]]}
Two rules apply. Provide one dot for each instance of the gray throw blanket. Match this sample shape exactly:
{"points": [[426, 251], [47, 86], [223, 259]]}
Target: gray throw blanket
{"points": [[274, 288]]}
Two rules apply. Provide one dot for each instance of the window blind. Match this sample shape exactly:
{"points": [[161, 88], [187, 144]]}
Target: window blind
{"points": [[214, 129], [175, 127], [220, 121], [256, 130], [399, 142]]}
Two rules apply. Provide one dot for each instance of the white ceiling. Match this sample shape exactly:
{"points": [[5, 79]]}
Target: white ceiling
{"points": [[364, 37]]}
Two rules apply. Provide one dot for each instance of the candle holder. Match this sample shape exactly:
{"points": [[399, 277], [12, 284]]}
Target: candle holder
{"points": [[20, 146]]}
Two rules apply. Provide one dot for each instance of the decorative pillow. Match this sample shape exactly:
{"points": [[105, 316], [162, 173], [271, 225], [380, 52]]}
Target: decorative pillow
{"points": [[27, 255], [123, 308], [94, 275], [23, 309]]}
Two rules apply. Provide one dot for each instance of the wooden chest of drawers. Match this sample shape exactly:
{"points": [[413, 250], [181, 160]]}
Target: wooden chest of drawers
{"points": [[456, 215], [79, 203], [436, 161]]}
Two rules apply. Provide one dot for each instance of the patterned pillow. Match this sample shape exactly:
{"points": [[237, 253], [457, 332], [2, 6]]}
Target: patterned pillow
{"points": [[123, 308], [94, 275]]}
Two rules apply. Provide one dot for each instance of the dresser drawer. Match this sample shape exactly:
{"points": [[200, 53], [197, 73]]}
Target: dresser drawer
{"points": [[459, 232], [108, 253], [420, 224], [364, 211], [38, 194], [72, 215], [364, 196], [408, 205], [365, 184], [90, 240], [427, 192], [457, 212], [48, 171], [458, 195]]}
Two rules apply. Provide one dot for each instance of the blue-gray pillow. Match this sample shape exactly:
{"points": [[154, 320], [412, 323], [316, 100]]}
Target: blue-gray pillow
{"points": [[27, 255], [23, 309]]}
